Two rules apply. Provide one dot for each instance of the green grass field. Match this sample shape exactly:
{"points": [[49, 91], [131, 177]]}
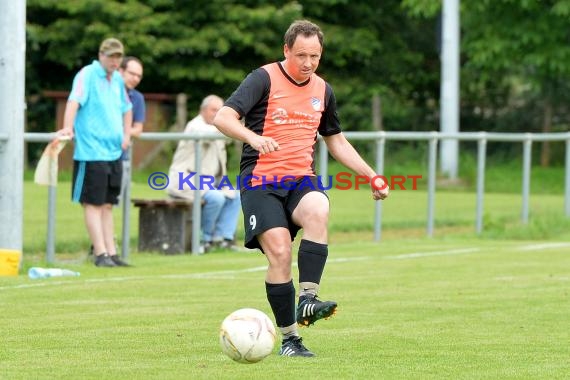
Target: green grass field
{"points": [[429, 309], [455, 306]]}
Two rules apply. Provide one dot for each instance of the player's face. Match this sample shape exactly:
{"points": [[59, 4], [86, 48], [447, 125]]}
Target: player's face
{"points": [[132, 74], [110, 62], [302, 59]]}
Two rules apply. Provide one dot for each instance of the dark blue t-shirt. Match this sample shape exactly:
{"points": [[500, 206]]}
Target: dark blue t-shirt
{"points": [[139, 108], [139, 111]]}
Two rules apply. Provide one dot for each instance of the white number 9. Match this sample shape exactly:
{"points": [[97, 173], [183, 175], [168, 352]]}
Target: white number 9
{"points": [[252, 222]]}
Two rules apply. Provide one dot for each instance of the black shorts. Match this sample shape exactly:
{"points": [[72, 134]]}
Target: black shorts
{"points": [[272, 206], [96, 182]]}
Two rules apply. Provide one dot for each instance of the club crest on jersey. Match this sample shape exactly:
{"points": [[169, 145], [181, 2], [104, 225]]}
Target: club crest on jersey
{"points": [[316, 103]]}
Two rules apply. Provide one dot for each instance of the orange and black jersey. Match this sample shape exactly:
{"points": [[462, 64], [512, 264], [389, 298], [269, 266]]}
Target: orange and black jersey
{"points": [[291, 113]]}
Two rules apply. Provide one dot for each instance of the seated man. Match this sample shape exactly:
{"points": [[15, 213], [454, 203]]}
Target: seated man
{"points": [[221, 207]]}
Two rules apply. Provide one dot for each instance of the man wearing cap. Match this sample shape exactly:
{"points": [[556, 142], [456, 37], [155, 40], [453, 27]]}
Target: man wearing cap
{"points": [[98, 116]]}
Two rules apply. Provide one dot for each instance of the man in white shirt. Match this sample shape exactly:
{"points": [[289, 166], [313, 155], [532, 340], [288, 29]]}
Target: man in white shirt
{"points": [[220, 211]]}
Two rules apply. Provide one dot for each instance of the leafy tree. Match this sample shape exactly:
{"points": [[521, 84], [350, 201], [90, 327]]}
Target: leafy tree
{"points": [[515, 56], [201, 46], [183, 44], [514, 53]]}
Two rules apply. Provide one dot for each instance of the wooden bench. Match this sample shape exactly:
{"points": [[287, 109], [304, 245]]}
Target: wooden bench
{"points": [[165, 225]]}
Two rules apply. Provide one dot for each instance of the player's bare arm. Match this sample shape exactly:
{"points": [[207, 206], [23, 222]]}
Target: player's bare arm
{"points": [[137, 129], [227, 122], [343, 151]]}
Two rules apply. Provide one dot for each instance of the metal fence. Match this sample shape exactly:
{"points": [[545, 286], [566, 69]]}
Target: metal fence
{"points": [[380, 138]]}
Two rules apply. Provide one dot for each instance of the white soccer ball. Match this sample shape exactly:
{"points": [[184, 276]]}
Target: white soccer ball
{"points": [[247, 335]]}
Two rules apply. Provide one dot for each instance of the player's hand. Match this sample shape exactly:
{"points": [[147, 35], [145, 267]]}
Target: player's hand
{"points": [[264, 144], [380, 189], [126, 142], [65, 132]]}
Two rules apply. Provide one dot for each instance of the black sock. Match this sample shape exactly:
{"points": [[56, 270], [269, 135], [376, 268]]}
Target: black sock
{"points": [[281, 298], [311, 261]]}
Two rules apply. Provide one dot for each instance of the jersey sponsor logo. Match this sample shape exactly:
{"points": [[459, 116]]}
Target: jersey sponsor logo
{"points": [[279, 116]]}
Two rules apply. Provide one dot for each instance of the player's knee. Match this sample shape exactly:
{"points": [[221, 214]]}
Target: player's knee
{"points": [[316, 215], [281, 262], [313, 208], [278, 250]]}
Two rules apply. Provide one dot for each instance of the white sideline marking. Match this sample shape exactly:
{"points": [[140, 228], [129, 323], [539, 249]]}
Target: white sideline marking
{"points": [[435, 253], [513, 278], [232, 273], [219, 274], [537, 247]]}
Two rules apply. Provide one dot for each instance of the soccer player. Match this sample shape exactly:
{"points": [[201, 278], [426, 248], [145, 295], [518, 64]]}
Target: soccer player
{"points": [[285, 104]]}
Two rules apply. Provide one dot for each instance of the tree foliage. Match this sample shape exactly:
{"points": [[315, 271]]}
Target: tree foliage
{"points": [[199, 47], [514, 53], [514, 73]]}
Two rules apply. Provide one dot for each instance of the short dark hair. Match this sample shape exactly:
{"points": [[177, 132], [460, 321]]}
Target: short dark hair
{"points": [[127, 59], [305, 28]]}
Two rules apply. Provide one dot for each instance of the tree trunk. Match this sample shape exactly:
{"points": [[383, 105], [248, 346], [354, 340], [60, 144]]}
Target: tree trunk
{"points": [[377, 113], [546, 128]]}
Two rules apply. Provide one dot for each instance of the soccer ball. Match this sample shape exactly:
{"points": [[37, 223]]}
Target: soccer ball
{"points": [[247, 335]]}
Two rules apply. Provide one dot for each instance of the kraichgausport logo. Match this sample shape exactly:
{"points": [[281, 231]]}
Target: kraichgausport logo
{"points": [[340, 181]]}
